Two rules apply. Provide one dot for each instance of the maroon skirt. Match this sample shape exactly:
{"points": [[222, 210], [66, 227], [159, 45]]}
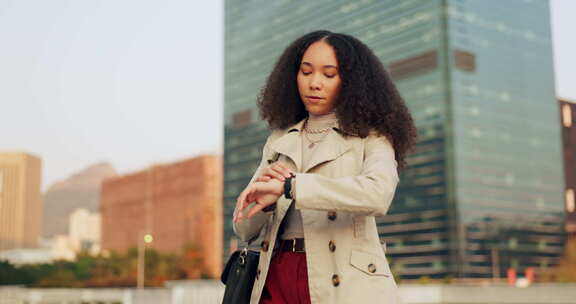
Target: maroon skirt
{"points": [[287, 279]]}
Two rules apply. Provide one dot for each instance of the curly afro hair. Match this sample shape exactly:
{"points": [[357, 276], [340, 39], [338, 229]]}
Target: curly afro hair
{"points": [[368, 99]]}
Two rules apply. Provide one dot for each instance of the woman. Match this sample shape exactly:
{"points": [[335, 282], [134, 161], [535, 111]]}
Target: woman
{"points": [[340, 131]]}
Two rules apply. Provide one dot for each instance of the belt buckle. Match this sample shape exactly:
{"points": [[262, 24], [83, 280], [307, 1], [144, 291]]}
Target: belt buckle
{"points": [[293, 245]]}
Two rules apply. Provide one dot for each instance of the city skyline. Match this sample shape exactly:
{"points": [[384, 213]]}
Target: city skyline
{"points": [[82, 85]]}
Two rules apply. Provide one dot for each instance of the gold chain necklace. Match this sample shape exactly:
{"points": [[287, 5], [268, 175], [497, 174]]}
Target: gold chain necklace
{"points": [[317, 131]]}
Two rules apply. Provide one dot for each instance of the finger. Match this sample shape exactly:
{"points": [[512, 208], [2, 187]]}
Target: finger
{"points": [[271, 172], [263, 178], [283, 169], [248, 198], [237, 208], [242, 199], [280, 175], [254, 210], [237, 212], [237, 217]]}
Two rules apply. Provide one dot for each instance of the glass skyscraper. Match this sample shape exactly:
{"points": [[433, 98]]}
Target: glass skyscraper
{"points": [[483, 190]]}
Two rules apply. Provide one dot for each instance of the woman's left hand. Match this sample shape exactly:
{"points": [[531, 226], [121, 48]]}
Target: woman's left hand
{"points": [[263, 194]]}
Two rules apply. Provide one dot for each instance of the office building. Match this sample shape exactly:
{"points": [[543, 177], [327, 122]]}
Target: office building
{"points": [[20, 202], [484, 190], [85, 230]]}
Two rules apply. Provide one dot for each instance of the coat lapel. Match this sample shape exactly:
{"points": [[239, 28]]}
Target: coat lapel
{"points": [[290, 145], [330, 148]]}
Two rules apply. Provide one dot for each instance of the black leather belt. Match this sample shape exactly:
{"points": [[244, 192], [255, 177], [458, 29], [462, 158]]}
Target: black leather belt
{"points": [[293, 245]]}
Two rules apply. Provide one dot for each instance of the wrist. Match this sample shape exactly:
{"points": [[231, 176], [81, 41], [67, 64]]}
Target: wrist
{"points": [[278, 188]]}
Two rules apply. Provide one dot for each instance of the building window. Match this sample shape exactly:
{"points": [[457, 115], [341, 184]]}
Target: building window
{"points": [[567, 116], [514, 263], [241, 119], [464, 61], [414, 66], [512, 243], [541, 244], [570, 201]]}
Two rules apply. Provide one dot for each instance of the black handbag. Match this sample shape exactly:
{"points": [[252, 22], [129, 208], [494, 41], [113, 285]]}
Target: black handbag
{"points": [[238, 276]]}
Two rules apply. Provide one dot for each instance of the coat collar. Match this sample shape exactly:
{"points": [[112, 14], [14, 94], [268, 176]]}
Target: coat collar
{"points": [[331, 147]]}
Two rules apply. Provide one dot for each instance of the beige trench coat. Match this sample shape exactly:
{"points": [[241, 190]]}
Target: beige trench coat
{"points": [[348, 182]]}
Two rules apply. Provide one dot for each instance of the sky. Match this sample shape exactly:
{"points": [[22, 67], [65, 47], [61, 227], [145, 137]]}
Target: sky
{"points": [[129, 82], [564, 46], [135, 82]]}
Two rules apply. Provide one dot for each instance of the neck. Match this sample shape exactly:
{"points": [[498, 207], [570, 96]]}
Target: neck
{"points": [[325, 116]]}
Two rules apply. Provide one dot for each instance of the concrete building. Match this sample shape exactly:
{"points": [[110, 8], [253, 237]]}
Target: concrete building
{"points": [[85, 230], [20, 200], [62, 247], [84, 235], [176, 203], [484, 190]]}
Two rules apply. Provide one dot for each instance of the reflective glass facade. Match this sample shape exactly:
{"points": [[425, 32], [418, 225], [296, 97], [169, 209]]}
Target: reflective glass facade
{"points": [[484, 189], [508, 168]]}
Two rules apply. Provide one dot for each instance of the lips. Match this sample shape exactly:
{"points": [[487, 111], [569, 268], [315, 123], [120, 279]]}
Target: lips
{"points": [[314, 97], [313, 100]]}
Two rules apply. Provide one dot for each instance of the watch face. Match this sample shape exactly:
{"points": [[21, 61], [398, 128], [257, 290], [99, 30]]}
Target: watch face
{"points": [[288, 188]]}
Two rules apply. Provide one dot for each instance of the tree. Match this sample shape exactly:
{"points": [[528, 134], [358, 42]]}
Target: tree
{"points": [[192, 261], [10, 275]]}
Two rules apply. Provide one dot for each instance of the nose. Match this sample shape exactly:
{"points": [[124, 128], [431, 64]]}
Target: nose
{"points": [[315, 82]]}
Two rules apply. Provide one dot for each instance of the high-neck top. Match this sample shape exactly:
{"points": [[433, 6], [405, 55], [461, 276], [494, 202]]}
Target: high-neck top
{"points": [[293, 222], [321, 121]]}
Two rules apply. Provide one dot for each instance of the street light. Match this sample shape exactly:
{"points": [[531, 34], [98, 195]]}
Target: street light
{"points": [[145, 238]]}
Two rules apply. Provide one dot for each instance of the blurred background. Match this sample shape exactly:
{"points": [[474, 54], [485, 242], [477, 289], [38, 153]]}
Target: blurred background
{"points": [[128, 128]]}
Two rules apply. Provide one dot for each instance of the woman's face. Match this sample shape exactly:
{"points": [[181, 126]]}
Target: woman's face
{"points": [[318, 78]]}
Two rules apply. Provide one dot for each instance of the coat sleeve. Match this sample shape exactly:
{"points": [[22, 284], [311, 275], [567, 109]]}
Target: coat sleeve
{"points": [[369, 193], [249, 228]]}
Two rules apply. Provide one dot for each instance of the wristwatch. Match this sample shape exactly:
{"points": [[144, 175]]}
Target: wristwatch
{"points": [[288, 187]]}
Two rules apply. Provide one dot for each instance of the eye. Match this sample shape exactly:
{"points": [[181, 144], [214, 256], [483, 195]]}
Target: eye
{"points": [[331, 76], [306, 73]]}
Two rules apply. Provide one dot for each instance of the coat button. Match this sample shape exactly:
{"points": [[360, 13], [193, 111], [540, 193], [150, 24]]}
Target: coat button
{"points": [[258, 274], [264, 246], [372, 268], [331, 246], [332, 215], [335, 280]]}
